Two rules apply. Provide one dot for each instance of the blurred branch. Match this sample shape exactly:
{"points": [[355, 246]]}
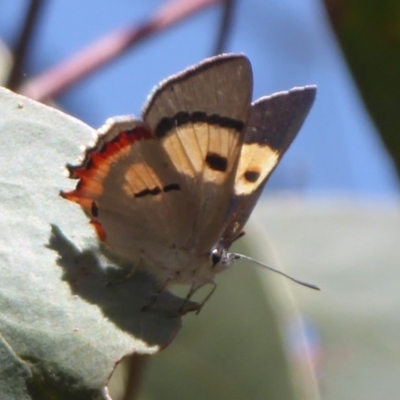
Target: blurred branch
{"points": [[23, 43], [225, 25], [368, 32], [54, 81]]}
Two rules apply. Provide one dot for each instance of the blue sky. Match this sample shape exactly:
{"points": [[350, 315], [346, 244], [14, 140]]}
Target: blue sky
{"points": [[289, 44]]}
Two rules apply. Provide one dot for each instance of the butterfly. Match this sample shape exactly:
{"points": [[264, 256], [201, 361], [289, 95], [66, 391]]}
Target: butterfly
{"points": [[171, 192]]}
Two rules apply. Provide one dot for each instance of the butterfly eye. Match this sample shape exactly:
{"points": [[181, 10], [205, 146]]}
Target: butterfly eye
{"points": [[216, 256]]}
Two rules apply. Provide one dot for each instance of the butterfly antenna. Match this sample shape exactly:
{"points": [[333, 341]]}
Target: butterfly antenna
{"points": [[237, 256]]}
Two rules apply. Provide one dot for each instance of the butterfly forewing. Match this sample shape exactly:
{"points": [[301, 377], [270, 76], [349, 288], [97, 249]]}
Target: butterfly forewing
{"points": [[199, 118], [273, 123]]}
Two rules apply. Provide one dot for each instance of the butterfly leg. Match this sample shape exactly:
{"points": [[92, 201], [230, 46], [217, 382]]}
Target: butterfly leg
{"points": [[193, 290], [132, 270], [240, 235], [210, 293], [128, 275]]}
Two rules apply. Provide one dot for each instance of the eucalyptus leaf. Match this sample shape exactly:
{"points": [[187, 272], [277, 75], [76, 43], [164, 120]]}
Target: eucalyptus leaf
{"points": [[67, 315]]}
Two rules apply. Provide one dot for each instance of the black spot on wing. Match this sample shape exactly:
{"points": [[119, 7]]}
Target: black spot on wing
{"points": [[89, 163], [94, 209], [251, 176], [183, 118], [157, 190], [216, 162]]}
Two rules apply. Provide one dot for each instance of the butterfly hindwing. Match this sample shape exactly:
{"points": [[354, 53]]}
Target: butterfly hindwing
{"points": [[273, 123], [120, 187]]}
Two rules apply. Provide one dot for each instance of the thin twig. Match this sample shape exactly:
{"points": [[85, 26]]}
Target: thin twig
{"points": [[23, 43], [226, 21], [54, 81]]}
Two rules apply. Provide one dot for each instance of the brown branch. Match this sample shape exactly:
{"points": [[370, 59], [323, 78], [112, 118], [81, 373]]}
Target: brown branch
{"points": [[23, 43], [225, 26], [54, 81]]}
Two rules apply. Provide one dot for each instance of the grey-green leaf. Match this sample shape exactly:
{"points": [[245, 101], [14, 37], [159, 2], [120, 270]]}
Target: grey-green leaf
{"points": [[63, 325]]}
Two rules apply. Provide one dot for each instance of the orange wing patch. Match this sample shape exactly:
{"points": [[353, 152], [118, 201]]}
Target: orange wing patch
{"points": [[255, 164], [95, 167]]}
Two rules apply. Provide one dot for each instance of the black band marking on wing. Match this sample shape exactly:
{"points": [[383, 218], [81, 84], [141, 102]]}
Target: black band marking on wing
{"points": [[172, 186], [182, 118], [157, 190]]}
